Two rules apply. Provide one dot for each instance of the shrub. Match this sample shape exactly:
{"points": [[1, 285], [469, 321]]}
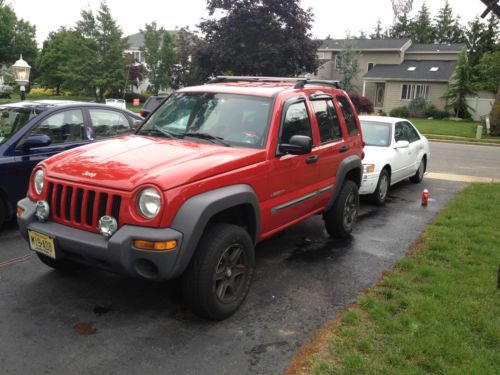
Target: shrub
{"points": [[432, 111], [361, 103], [495, 119], [417, 107], [399, 112]]}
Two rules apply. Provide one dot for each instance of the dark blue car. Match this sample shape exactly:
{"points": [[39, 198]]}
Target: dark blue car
{"points": [[31, 131]]}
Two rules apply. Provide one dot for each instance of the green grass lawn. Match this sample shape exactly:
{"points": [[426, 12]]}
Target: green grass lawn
{"points": [[446, 127], [438, 311]]}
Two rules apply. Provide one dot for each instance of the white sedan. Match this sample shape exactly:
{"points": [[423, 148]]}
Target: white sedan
{"points": [[394, 150]]}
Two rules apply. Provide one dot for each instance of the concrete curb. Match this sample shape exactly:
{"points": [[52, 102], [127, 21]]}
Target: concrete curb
{"points": [[462, 142]]}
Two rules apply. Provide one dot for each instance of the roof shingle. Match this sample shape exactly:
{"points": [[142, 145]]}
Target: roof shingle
{"points": [[422, 71]]}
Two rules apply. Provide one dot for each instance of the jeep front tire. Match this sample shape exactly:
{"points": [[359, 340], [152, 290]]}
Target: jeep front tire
{"points": [[218, 278], [340, 218]]}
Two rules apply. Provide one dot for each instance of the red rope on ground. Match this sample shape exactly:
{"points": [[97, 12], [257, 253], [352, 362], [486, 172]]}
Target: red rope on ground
{"points": [[16, 261]]}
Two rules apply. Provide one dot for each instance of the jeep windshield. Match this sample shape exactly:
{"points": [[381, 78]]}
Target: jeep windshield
{"points": [[13, 118], [224, 119]]}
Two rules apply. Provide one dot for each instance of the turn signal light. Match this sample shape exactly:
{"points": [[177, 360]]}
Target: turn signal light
{"points": [[20, 211], [153, 245]]}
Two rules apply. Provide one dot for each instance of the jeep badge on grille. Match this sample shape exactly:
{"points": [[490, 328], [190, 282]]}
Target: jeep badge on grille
{"points": [[89, 174]]}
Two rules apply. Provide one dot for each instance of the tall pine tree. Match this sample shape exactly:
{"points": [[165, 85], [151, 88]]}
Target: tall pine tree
{"points": [[103, 47], [159, 55], [421, 28], [460, 88], [447, 27]]}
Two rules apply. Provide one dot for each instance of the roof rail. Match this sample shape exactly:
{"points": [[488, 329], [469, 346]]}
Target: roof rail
{"points": [[300, 82]]}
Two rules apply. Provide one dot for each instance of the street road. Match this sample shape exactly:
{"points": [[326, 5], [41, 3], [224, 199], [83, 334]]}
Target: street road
{"points": [[465, 159], [302, 279]]}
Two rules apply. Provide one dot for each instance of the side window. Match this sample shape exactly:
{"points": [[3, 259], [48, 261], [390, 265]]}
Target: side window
{"points": [[349, 116], [400, 132], [412, 133], [328, 121], [108, 123], [296, 122], [62, 127]]}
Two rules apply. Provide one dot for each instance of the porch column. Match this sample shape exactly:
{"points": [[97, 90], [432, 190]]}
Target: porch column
{"points": [[364, 87]]}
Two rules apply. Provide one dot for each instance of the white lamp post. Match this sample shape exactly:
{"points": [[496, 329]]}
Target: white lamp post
{"points": [[22, 72]]}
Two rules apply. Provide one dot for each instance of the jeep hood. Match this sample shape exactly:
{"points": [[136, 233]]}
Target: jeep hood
{"points": [[127, 162]]}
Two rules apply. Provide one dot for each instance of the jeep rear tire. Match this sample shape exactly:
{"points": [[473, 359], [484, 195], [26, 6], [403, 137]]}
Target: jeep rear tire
{"points": [[218, 278], [340, 218]]}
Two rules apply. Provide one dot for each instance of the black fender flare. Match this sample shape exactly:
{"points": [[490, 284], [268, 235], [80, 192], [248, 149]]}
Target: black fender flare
{"points": [[350, 163], [194, 215]]}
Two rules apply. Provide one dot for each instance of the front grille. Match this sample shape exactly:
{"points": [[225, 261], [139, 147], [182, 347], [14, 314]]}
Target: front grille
{"points": [[80, 206]]}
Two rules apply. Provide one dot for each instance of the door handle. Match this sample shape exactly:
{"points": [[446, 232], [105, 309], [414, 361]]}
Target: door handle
{"points": [[344, 148], [312, 159]]}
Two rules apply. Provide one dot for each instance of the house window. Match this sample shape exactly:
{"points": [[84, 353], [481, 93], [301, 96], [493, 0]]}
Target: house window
{"points": [[338, 62], [412, 68], [321, 56], [434, 69], [412, 91], [138, 56], [370, 66]]}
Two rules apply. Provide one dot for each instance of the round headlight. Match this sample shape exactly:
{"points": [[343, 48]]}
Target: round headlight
{"points": [[149, 203], [38, 181]]}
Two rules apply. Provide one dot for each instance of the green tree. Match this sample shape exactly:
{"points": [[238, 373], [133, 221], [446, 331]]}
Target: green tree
{"points": [[262, 37], [52, 61], [378, 31], [447, 27], [349, 65], [481, 38], [102, 47], [489, 72], [186, 71], [421, 28], [16, 37], [401, 28], [460, 88], [159, 56]]}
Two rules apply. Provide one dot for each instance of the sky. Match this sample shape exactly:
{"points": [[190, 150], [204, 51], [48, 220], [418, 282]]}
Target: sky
{"points": [[331, 17]]}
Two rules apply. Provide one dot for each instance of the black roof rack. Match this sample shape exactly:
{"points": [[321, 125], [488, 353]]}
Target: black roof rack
{"points": [[300, 82]]}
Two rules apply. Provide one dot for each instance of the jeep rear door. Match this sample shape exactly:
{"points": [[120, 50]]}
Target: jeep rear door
{"points": [[295, 180], [331, 145]]}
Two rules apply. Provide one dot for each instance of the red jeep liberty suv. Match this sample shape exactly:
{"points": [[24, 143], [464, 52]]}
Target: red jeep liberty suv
{"points": [[214, 170]]}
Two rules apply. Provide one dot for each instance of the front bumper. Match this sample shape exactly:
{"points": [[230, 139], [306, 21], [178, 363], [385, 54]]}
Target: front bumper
{"points": [[369, 183], [117, 254]]}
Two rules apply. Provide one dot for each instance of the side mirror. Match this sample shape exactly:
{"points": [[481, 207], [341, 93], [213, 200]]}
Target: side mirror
{"points": [[402, 144], [37, 140], [137, 124], [298, 145]]}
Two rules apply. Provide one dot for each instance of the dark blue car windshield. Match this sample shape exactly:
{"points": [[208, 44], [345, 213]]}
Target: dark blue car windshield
{"points": [[12, 119]]}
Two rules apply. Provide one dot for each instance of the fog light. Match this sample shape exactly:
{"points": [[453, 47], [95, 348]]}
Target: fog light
{"points": [[155, 245], [107, 226], [20, 211], [42, 211]]}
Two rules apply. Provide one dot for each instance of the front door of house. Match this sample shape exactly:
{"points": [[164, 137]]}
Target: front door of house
{"points": [[379, 95]]}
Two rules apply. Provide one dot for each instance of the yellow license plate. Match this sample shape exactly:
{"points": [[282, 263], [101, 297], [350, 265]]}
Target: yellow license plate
{"points": [[42, 244]]}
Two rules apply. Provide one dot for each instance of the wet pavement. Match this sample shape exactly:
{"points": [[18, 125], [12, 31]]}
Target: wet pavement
{"points": [[91, 321]]}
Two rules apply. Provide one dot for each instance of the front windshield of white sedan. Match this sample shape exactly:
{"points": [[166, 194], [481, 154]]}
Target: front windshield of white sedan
{"points": [[376, 133], [225, 119]]}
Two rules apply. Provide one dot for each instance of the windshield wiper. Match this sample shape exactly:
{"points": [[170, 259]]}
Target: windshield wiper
{"points": [[159, 130], [208, 137]]}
